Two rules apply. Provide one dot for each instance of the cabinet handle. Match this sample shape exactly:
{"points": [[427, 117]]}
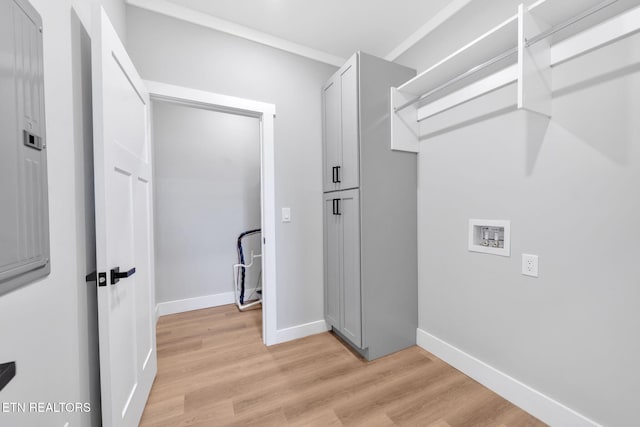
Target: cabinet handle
{"points": [[333, 201], [338, 174], [338, 207]]}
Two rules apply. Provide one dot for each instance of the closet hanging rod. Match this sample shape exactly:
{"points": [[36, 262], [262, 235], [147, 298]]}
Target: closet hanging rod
{"points": [[459, 78], [569, 22], [508, 53]]}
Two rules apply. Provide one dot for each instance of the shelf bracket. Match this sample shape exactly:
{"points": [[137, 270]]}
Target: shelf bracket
{"points": [[405, 129], [534, 65]]}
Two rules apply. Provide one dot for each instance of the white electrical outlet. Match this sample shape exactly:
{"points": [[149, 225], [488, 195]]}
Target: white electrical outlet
{"points": [[530, 265]]}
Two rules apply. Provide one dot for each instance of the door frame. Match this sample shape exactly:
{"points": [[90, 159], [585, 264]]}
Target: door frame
{"points": [[266, 114]]}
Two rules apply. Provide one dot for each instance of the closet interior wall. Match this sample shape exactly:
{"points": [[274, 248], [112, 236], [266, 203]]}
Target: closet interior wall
{"points": [[568, 185], [207, 171]]}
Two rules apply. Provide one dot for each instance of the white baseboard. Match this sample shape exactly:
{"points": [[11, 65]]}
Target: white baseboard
{"points": [[537, 404], [300, 331], [197, 303], [208, 301]]}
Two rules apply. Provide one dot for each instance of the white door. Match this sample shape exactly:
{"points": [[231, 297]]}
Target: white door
{"points": [[124, 230]]}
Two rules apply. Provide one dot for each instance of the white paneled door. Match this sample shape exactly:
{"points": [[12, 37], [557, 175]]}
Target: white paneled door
{"points": [[124, 230]]}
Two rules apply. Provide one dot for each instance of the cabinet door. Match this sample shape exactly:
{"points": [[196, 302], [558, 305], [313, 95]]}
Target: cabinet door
{"points": [[349, 214], [332, 144], [349, 118], [332, 261]]}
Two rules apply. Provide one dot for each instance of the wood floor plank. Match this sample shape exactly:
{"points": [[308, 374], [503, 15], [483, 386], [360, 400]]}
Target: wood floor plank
{"points": [[337, 390], [160, 410], [213, 370], [327, 418], [435, 401], [380, 399]]}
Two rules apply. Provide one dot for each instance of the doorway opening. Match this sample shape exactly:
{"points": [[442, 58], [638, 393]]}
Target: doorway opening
{"points": [[214, 175]]}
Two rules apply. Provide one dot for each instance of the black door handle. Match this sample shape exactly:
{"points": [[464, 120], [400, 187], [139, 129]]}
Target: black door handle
{"points": [[91, 277], [333, 174], [338, 174], [94, 276], [116, 275], [7, 372], [336, 207]]}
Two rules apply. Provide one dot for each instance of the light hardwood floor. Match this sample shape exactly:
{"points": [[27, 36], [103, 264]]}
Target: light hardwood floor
{"points": [[213, 370]]}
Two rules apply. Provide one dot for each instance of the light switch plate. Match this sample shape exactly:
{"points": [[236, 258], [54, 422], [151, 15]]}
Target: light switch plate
{"points": [[286, 214], [530, 265]]}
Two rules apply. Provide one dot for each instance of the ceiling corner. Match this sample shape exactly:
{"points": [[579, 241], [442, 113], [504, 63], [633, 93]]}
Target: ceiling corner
{"points": [[441, 17], [182, 13]]}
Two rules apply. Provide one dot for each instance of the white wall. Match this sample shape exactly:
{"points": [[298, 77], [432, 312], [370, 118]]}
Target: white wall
{"points": [[46, 326], [207, 185], [570, 189], [175, 52], [115, 9]]}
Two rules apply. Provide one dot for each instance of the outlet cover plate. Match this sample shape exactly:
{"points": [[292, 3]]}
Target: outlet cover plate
{"points": [[530, 265]]}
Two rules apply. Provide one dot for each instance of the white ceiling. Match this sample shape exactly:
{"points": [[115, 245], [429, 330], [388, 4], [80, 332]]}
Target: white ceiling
{"points": [[336, 27]]}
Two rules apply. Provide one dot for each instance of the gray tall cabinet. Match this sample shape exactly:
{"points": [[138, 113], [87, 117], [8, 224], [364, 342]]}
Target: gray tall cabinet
{"points": [[370, 208]]}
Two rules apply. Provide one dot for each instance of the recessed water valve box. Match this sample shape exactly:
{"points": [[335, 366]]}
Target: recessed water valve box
{"points": [[490, 236]]}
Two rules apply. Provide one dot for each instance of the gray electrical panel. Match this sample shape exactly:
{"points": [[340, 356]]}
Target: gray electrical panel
{"points": [[24, 211]]}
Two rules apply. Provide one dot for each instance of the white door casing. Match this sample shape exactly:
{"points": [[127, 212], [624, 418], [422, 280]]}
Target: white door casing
{"points": [[124, 229], [265, 112]]}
